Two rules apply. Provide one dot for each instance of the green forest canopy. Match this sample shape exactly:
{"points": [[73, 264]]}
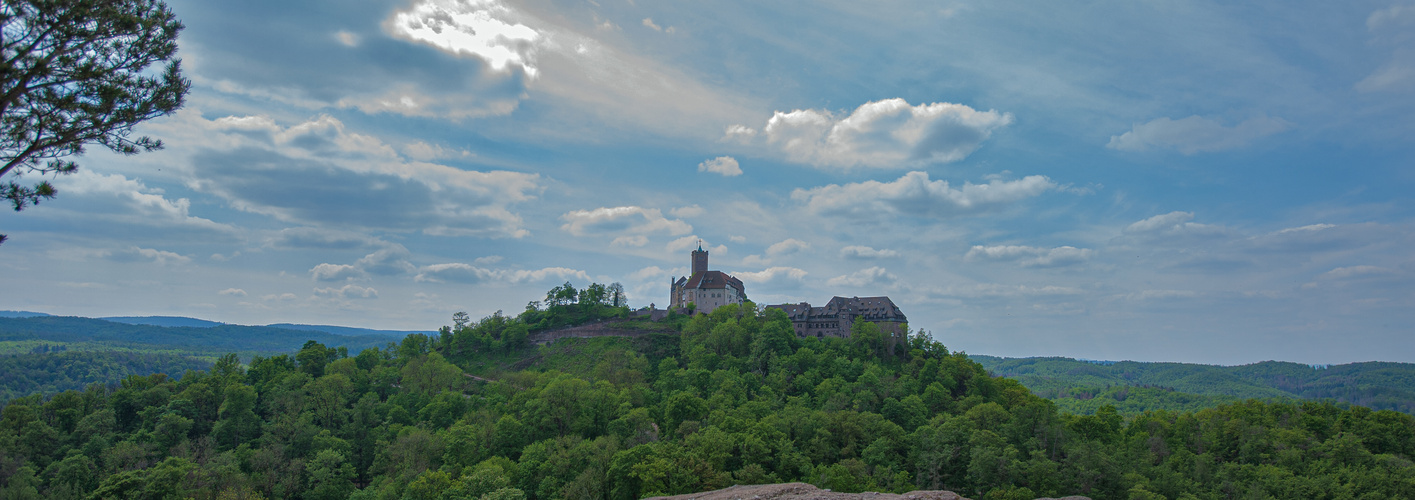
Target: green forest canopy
{"points": [[733, 398], [1083, 386]]}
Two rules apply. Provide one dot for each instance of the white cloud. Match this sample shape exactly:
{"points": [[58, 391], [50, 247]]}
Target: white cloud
{"points": [[864, 277], [113, 198], [347, 38], [889, 133], [138, 254], [1171, 225], [233, 292], [488, 260], [648, 272], [283, 297], [1164, 222], [690, 242], [725, 165], [1196, 134], [773, 278], [1307, 228], [864, 252], [688, 211], [1354, 272], [336, 272], [225, 258], [1029, 256], [630, 241], [472, 28], [347, 292], [914, 194], [422, 151], [1393, 26], [739, 133], [619, 220], [389, 261], [1313, 239], [466, 273], [786, 247], [648, 23]]}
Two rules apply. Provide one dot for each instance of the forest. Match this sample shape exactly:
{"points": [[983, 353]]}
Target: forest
{"points": [[733, 397], [47, 372], [1134, 387]]}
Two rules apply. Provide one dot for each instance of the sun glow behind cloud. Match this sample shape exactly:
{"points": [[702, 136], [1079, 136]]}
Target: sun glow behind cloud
{"points": [[472, 28]]}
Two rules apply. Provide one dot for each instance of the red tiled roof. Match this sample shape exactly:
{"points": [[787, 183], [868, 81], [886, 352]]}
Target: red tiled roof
{"points": [[714, 280]]}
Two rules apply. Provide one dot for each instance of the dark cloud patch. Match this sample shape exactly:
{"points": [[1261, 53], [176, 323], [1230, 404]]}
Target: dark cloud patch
{"points": [[313, 237], [1212, 265], [309, 191], [344, 58], [949, 137]]}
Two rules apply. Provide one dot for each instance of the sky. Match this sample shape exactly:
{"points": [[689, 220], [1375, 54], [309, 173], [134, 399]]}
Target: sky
{"points": [[1213, 182]]}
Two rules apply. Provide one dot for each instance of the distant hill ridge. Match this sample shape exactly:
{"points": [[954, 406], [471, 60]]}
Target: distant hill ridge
{"points": [[1378, 385], [163, 321], [184, 321], [215, 340]]}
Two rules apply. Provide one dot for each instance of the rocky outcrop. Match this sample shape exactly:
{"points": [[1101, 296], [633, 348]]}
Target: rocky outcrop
{"points": [[803, 491]]}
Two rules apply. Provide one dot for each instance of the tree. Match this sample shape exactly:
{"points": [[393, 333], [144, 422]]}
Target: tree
{"points": [[617, 298], [76, 72]]}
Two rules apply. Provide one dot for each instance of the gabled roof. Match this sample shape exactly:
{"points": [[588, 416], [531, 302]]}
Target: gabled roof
{"points": [[870, 307], [714, 280]]}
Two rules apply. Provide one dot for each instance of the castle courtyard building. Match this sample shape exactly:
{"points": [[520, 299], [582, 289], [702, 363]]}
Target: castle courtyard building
{"points": [[835, 318], [706, 290]]}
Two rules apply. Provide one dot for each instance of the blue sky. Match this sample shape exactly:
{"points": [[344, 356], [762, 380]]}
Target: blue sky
{"points": [[1161, 181]]}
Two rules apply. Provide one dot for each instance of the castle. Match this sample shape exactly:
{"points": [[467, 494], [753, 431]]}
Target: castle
{"points": [[835, 319], [708, 290]]}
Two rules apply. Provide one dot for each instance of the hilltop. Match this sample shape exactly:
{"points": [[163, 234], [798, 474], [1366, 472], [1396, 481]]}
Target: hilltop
{"points": [[684, 405]]}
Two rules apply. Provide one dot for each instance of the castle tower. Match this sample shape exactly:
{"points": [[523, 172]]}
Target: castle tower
{"points": [[699, 260], [704, 289]]}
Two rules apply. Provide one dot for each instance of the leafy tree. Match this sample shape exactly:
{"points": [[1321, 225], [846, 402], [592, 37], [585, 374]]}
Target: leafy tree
{"points": [[238, 421], [330, 476], [617, 297], [23, 485], [75, 73]]}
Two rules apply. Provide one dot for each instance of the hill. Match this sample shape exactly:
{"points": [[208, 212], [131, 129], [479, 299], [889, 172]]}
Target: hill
{"points": [[681, 406], [163, 321], [1083, 386], [20, 334], [20, 314], [347, 331]]}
